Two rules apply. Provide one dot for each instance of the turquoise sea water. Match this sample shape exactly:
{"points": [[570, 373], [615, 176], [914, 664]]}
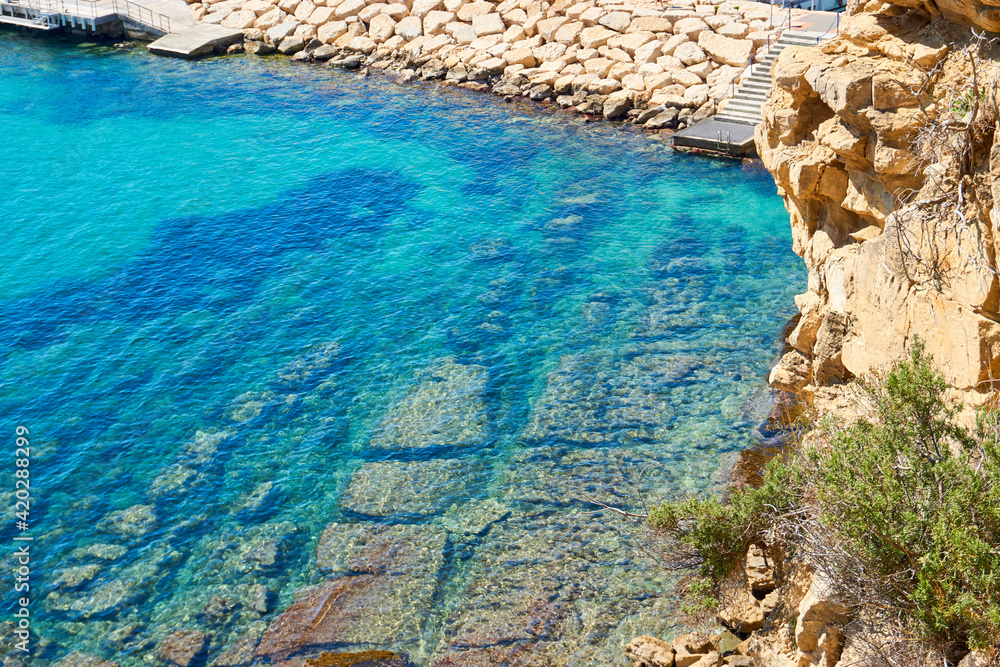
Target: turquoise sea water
{"points": [[244, 301]]}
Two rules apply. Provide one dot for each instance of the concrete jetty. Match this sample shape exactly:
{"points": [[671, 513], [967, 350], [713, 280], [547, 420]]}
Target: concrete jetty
{"points": [[196, 41]]}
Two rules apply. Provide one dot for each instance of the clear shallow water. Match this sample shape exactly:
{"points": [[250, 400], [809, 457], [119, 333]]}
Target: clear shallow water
{"points": [[243, 301]]}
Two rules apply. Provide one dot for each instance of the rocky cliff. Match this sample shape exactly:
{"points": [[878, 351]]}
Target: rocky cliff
{"points": [[881, 142]]}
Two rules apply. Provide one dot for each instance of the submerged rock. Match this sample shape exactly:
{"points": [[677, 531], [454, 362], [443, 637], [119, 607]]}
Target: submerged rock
{"points": [[445, 409], [75, 577], [420, 488], [391, 577], [184, 648], [77, 659], [558, 476], [257, 503], [134, 521]]}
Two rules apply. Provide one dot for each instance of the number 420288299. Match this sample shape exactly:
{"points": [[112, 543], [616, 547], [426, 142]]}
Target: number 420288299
{"points": [[22, 463]]}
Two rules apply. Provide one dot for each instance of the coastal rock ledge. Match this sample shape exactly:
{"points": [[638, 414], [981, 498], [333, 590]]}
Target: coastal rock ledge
{"points": [[635, 59], [881, 142]]}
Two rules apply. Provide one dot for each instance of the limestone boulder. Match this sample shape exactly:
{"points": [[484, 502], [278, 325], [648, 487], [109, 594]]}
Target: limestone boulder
{"points": [[488, 24], [726, 51], [617, 104], [410, 28], [569, 33], [320, 16], [466, 11], [396, 11], [631, 42], [462, 33], [279, 32], [617, 21], [741, 612], [690, 648], [649, 651], [595, 37], [690, 53], [654, 24], [734, 30], [547, 28], [239, 20], [381, 28], [329, 33], [691, 27], [436, 20]]}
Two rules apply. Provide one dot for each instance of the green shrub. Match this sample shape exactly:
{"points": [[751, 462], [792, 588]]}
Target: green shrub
{"points": [[910, 497]]}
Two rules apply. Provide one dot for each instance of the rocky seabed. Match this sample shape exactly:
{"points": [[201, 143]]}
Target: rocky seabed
{"points": [[664, 68]]}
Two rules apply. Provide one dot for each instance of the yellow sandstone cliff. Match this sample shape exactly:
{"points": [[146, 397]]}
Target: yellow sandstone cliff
{"points": [[881, 143]]}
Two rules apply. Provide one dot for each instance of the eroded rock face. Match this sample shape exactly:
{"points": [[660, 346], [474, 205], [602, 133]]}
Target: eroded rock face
{"points": [[842, 136]]}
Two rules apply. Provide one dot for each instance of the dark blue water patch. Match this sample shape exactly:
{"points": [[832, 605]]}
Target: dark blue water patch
{"points": [[190, 259]]}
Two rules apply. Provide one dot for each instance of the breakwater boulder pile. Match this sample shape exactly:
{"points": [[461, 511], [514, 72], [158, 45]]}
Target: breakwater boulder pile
{"points": [[662, 67]]}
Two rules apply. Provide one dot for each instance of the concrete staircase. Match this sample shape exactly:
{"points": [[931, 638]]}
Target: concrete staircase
{"points": [[744, 106]]}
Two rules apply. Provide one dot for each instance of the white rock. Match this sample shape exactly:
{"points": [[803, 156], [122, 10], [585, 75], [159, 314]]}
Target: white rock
{"points": [[547, 27], [467, 11], [371, 11], [672, 43], [690, 53], [701, 69], [396, 11], [617, 21], [516, 17], [493, 65], [515, 33], [362, 44], [282, 30], [604, 86], [306, 31], [657, 81], [410, 28], [599, 66], [435, 22], [328, 33], [725, 51], [485, 42], [650, 24], [349, 8], [422, 8], [550, 51], [633, 82], [686, 78], [381, 28], [647, 53], [258, 7], [320, 15], [238, 20], [692, 27], [486, 24], [304, 9], [569, 33], [269, 19], [631, 42], [461, 32], [594, 37], [734, 30], [592, 16], [564, 84], [521, 56]]}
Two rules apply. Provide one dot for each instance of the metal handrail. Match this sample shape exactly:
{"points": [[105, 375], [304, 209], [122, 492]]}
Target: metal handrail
{"points": [[89, 9]]}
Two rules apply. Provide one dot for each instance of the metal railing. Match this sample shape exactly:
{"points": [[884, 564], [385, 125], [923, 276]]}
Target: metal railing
{"points": [[91, 9], [142, 15]]}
